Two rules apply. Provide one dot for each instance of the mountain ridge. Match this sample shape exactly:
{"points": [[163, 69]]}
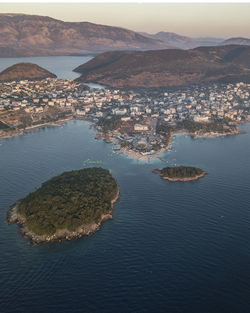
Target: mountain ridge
{"points": [[236, 40], [34, 35], [186, 42], [171, 67]]}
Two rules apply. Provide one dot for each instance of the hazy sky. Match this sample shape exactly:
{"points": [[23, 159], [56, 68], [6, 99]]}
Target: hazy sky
{"points": [[191, 19]]}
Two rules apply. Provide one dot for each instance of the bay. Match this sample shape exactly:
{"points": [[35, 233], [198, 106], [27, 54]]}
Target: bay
{"points": [[61, 66], [171, 247]]}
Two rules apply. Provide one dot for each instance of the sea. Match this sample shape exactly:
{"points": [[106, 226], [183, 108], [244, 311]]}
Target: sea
{"points": [[170, 247]]}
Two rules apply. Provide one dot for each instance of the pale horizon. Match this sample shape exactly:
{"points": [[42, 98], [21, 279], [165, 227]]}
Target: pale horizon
{"points": [[221, 20]]}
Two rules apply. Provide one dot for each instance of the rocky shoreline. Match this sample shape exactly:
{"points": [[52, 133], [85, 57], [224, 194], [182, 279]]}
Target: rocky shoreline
{"points": [[13, 216], [156, 155], [125, 151], [216, 134], [23, 131], [179, 179], [184, 179]]}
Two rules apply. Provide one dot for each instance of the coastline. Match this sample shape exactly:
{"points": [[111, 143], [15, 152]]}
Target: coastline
{"points": [[216, 134], [140, 157], [126, 151], [184, 179], [155, 156], [60, 235], [28, 129]]}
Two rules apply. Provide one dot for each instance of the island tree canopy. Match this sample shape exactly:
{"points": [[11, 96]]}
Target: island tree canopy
{"points": [[181, 172], [69, 200]]}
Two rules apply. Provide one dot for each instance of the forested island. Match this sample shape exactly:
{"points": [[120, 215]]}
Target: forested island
{"points": [[67, 206], [180, 173]]}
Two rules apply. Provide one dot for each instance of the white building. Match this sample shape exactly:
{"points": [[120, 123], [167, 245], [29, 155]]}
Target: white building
{"points": [[139, 127]]}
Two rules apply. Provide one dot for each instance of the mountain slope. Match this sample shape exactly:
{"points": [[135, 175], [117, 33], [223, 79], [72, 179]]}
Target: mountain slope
{"points": [[22, 71], [236, 41], [174, 39], [170, 67], [31, 35], [184, 42]]}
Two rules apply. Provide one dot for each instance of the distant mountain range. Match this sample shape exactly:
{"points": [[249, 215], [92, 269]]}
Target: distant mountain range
{"points": [[185, 42], [236, 41], [32, 35], [171, 67], [22, 71]]}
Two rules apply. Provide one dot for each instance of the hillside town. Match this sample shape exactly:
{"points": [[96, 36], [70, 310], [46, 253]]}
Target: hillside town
{"points": [[141, 121]]}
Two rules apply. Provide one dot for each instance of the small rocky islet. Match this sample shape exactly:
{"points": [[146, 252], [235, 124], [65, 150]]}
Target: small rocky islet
{"points": [[67, 206], [180, 173]]}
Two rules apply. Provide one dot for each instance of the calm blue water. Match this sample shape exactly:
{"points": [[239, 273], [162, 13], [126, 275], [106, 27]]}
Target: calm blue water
{"points": [[171, 247], [61, 66]]}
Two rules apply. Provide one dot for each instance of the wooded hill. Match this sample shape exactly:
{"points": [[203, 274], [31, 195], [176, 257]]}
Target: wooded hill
{"points": [[69, 200]]}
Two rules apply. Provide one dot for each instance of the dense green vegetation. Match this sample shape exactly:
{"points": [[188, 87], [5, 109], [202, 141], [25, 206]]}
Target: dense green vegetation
{"points": [[220, 126], [125, 144], [213, 126], [69, 200], [181, 172], [163, 129], [3, 126], [107, 124]]}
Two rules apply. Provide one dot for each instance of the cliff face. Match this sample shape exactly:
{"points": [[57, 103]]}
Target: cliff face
{"points": [[168, 67], [31, 35], [22, 71]]}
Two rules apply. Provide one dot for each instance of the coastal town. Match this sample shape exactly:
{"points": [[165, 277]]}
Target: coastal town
{"points": [[139, 122]]}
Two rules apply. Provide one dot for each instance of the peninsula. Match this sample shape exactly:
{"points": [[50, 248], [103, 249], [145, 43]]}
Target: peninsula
{"points": [[180, 173], [25, 71], [67, 206]]}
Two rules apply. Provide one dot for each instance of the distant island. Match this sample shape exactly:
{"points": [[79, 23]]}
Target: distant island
{"points": [[168, 68], [23, 71], [67, 206], [180, 173]]}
